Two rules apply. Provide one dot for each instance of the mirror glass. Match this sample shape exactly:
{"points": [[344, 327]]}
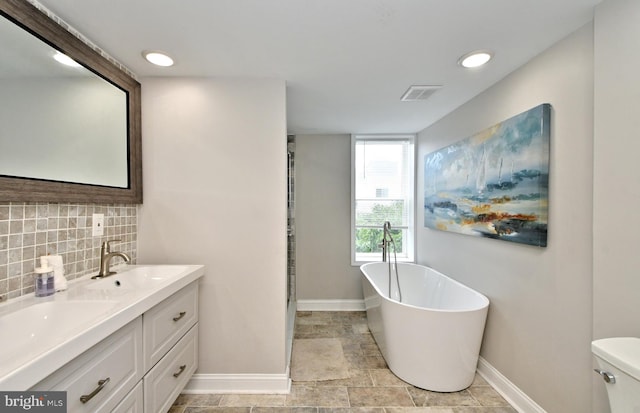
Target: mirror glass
{"points": [[58, 122]]}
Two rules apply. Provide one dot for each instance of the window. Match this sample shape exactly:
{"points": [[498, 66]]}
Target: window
{"points": [[382, 189]]}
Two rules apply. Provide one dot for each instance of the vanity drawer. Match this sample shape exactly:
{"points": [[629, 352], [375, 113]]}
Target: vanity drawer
{"points": [[169, 376], [165, 323], [103, 375], [133, 403]]}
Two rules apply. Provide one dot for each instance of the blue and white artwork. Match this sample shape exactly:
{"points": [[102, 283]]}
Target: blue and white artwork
{"points": [[494, 184]]}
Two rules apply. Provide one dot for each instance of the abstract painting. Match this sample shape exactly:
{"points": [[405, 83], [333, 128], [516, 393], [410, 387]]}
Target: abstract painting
{"points": [[494, 184]]}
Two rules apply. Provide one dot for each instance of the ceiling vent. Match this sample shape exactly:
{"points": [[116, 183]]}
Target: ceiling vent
{"points": [[419, 92]]}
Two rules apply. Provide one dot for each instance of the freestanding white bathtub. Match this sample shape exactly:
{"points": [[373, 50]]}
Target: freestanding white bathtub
{"points": [[432, 338]]}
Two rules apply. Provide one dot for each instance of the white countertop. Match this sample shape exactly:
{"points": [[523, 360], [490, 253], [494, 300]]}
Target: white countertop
{"points": [[38, 335]]}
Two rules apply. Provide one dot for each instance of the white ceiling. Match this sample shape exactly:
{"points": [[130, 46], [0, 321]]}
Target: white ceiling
{"points": [[346, 62]]}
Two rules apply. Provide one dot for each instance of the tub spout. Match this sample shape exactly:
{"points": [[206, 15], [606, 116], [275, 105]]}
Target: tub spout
{"points": [[386, 239]]}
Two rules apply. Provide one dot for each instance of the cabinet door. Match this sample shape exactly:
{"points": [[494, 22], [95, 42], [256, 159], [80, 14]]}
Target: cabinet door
{"points": [[98, 379], [168, 377], [133, 403], [165, 323]]}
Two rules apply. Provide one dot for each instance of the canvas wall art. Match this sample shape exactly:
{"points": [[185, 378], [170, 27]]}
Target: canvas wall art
{"points": [[494, 184]]}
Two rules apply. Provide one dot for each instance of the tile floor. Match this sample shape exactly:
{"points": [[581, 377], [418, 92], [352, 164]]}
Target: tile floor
{"points": [[372, 388]]}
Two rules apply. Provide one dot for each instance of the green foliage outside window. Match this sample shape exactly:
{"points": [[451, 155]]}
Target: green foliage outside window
{"points": [[368, 240]]}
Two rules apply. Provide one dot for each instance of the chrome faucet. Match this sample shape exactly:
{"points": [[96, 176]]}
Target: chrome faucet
{"points": [[105, 259]]}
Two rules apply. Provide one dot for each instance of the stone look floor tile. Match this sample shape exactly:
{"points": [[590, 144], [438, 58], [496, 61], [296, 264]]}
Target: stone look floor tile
{"points": [[360, 329], [379, 397], [357, 378], [367, 362], [312, 318], [434, 399], [201, 409], [249, 400], [504, 409], [208, 400], [370, 349], [419, 410], [384, 377], [347, 316], [332, 330], [307, 396], [371, 387], [358, 339], [303, 330], [487, 396], [479, 381]]}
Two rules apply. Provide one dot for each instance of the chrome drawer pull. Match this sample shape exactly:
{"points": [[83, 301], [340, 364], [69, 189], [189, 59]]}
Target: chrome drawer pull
{"points": [[101, 383], [182, 314], [184, 366]]}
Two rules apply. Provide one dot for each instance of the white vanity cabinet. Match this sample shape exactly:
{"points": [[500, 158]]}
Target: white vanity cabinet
{"points": [[167, 322], [133, 403], [166, 379], [170, 348], [97, 380], [141, 368]]}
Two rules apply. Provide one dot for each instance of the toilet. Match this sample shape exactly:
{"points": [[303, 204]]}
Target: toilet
{"points": [[619, 365]]}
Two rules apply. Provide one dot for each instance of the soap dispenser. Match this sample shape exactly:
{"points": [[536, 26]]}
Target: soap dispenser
{"points": [[44, 279]]}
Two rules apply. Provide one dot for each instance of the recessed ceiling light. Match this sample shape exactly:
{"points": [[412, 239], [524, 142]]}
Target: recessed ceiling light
{"points": [[158, 58], [65, 60], [475, 59]]}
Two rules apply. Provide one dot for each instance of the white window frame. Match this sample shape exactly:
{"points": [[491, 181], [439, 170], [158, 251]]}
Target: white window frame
{"points": [[410, 242]]}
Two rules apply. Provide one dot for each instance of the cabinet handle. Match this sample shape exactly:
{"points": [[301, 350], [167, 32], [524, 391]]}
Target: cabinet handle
{"points": [[101, 383], [182, 314], [184, 366]]}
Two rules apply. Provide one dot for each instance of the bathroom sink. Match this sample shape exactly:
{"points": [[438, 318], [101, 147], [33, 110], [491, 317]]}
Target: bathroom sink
{"points": [[38, 336], [137, 278], [26, 332]]}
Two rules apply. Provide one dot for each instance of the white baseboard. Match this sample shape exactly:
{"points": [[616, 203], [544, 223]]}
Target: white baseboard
{"points": [[516, 397], [330, 305], [239, 383]]}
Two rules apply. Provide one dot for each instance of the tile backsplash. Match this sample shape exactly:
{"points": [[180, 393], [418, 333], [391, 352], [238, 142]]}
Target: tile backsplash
{"points": [[30, 230]]}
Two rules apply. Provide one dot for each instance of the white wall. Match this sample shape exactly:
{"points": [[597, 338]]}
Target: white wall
{"points": [[215, 194], [616, 229], [323, 205], [539, 326]]}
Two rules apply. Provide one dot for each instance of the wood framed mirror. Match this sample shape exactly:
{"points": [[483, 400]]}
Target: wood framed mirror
{"points": [[104, 150]]}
